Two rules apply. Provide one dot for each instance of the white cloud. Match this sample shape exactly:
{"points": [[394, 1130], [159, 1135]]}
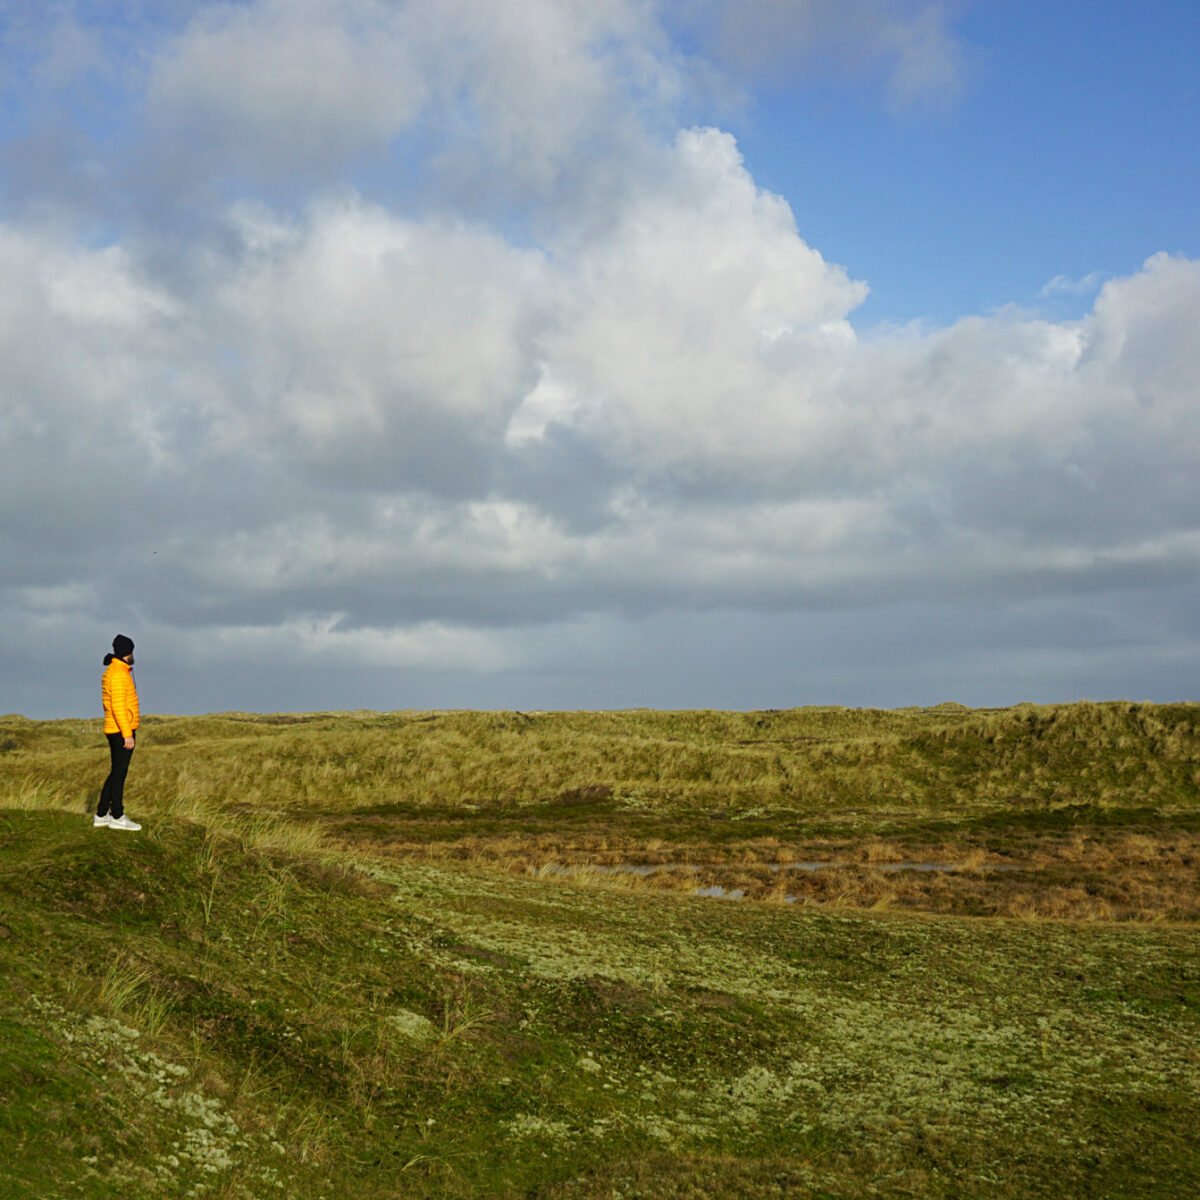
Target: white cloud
{"points": [[542, 98], [699, 332], [373, 350], [1064, 285], [549, 103], [79, 330], [323, 421], [427, 645], [285, 84], [507, 104]]}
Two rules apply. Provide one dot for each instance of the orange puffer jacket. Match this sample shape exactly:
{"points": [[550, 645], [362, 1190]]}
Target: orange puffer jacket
{"points": [[119, 693]]}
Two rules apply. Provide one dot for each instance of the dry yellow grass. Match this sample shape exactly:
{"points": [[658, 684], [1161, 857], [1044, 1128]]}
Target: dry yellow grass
{"points": [[1127, 878]]}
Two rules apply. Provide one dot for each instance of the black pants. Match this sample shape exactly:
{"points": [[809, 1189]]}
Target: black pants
{"points": [[112, 794]]}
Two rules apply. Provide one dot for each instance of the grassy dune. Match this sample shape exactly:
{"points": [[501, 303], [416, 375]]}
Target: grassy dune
{"points": [[385, 955]]}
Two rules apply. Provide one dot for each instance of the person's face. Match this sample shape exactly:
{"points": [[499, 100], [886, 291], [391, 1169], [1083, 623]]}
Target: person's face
{"points": [[129, 659]]}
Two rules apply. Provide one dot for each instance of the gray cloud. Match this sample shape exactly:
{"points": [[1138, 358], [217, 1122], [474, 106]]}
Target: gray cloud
{"points": [[911, 43], [282, 86]]}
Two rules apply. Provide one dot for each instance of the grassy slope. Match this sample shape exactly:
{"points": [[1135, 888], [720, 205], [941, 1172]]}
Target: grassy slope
{"points": [[798, 765], [268, 1020]]}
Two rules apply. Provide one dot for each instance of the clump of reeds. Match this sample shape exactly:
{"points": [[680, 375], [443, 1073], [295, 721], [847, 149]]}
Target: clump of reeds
{"points": [[30, 795]]}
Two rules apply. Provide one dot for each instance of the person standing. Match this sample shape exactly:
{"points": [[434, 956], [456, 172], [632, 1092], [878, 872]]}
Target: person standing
{"points": [[119, 695]]}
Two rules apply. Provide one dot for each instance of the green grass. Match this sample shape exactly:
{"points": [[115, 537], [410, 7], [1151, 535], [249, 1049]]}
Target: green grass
{"points": [[233, 1004], [809, 761]]}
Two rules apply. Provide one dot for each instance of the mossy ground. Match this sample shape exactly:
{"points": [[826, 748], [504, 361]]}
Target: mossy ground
{"points": [[221, 1006]]}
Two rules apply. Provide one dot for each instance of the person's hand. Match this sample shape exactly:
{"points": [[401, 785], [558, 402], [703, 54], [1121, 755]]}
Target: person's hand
{"points": [[129, 743]]}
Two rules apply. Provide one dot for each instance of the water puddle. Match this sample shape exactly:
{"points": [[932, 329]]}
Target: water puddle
{"points": [[717, 892], [647, 869], [914, 866]]}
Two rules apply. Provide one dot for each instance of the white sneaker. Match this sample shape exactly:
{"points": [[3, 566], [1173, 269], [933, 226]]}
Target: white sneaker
{"points": [[101, 822], [122, 823]]}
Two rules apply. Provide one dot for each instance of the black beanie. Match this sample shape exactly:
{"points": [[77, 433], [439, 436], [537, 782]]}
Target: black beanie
{"points": [[122, 646]]}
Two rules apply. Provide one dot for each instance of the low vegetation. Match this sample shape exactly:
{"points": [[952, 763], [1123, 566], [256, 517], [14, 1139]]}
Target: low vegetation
{"points": [[462, 954]]}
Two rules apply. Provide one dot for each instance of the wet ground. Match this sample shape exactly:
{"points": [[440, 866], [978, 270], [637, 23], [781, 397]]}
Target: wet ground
{"points": [[717, 891], [1138, 868]]}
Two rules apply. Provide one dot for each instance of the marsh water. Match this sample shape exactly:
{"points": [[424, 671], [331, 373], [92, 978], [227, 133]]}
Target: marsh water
{"points": [[645, 869], [716, 891]]}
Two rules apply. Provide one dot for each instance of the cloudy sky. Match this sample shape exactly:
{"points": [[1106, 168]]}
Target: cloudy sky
{"points": [[599, 353]]}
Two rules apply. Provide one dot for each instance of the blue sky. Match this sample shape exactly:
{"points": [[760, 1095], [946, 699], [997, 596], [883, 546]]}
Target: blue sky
{"points": [[1071, 150], [408, 353]]}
